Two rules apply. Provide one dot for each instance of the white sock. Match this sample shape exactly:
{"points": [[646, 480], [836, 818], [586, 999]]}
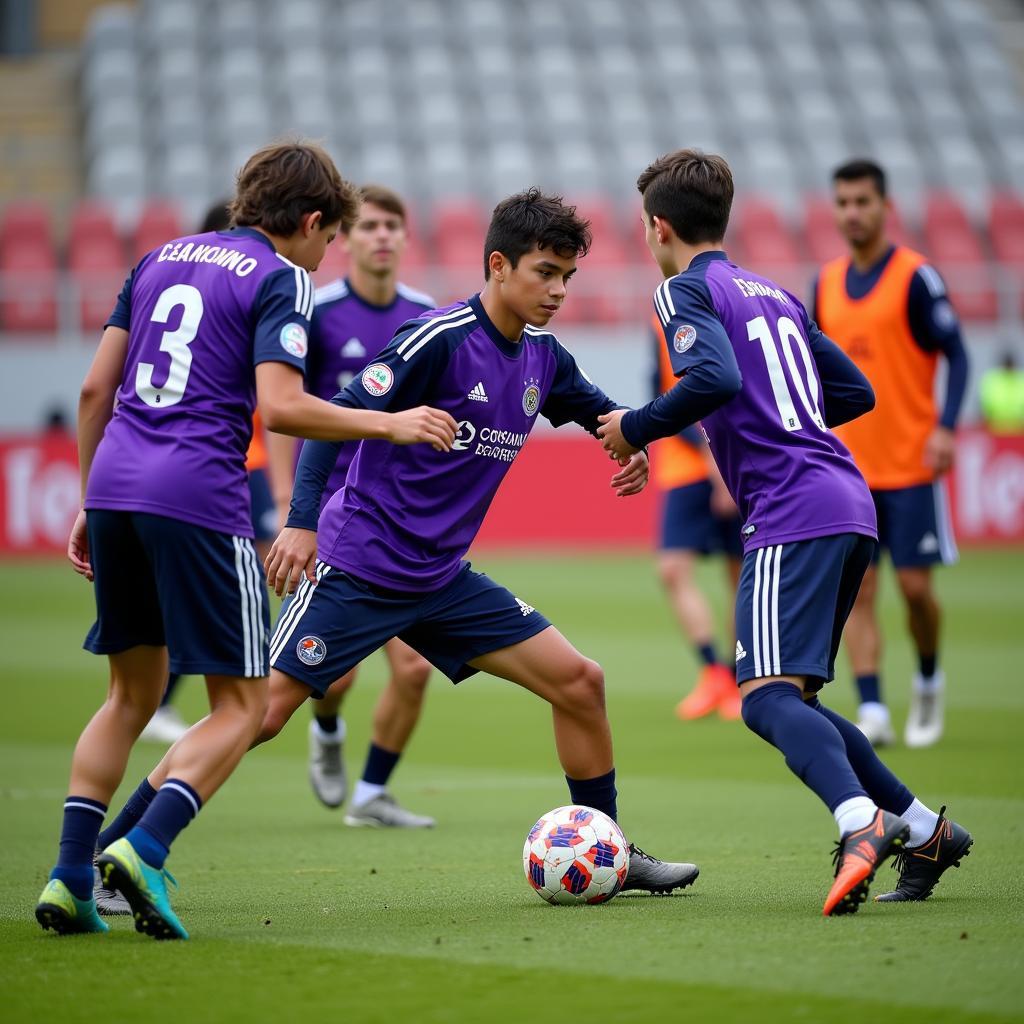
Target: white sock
{"points": [[874, 710], [338, 736], [365, 792], [922, 821], [857, 812], [929, 684]]}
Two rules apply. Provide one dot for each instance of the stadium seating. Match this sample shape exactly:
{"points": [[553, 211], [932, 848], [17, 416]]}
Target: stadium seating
{"points": [[28, 265], [953, 245], [159, 223], [97, 260]]}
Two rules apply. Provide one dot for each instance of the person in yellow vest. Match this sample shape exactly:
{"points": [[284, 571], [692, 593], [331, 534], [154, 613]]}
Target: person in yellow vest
{"points": [[1002, 397], [887, 308], [698, 518]]}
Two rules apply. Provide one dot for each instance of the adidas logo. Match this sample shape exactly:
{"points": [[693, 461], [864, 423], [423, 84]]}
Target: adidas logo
{"points": [[929, 544], [353, 349], [478, 394], [740, 653], [525, 608]]}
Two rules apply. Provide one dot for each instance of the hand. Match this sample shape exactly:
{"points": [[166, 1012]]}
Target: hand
{"points": [[78, 548], [611, 437], [632, 478], [292, 555], [940, 450], [423, 424]]}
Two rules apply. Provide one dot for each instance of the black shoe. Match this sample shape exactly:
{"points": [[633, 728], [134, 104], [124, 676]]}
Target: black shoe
{"points": [[920, 867], [653, 875], [857, 856]]}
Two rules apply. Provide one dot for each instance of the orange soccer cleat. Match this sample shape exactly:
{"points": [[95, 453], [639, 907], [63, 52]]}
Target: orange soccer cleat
{"points": [[715, 688], [857, 856]]}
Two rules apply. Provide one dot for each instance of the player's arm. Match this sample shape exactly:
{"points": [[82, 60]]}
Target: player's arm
{"points": [[936, 328], [691, 434], [702, 357]]}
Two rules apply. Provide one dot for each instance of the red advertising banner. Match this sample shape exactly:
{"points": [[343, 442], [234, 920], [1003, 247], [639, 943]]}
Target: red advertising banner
{"points": [[556, 495]]}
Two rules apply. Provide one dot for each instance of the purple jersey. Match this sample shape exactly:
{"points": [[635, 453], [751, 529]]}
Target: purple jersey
{"points": [[407, 514], [347, 333], [200, 313], [791, 477]]}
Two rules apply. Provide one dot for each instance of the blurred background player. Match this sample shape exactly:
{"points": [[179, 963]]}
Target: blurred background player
{"points": [[886, 308], [698, 518], [268, 516], [765, 382], [1002, 397], [353, 320]]}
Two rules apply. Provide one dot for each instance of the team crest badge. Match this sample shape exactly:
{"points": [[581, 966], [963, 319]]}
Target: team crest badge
{"points": [[293, 340], [684, 338], [377, 379], [311, 650], [531, 398]]}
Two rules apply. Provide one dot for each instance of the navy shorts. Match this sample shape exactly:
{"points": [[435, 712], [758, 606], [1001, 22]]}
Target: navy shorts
{"points": [[334, 625], [914, 525], [164, 582], [264, 512], [688, 524], [792, 603]]}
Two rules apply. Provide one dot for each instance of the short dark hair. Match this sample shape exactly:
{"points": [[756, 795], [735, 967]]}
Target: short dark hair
{"points": [[532, 220], [857, 170], [283, 182], [692, 190], [217, 217], [384, 197]]}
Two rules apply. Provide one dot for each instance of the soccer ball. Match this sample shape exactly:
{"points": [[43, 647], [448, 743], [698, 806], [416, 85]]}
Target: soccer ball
{"points": [[576, 855]]}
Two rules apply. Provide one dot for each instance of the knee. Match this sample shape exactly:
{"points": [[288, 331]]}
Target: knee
{"points": [[583, 687], [674, 573], [916, 589], [411, 678], [272, 719], [136, 703]]}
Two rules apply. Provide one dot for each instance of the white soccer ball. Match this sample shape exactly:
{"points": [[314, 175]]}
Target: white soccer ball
{"points": [[576, 854]]}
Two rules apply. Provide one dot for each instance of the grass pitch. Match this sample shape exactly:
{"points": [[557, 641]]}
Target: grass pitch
{"points": [[294, 915]]}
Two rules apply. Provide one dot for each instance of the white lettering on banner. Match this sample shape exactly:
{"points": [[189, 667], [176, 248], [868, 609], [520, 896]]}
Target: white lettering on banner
{"points": [[42, 500], [989, 489]]}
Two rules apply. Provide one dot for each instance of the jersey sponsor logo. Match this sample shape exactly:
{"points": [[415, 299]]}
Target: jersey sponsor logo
{"points": [[531, 398], [464, 436], [311, 650], [740, 652], [526, 609], [477, 393], [353, 349], [684, 338], [377, 379], [293, 340], [490, 442]]}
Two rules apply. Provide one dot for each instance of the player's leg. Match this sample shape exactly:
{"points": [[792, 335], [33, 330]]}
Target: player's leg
{"points": [[790, 610], [327, 743], [166, 725], [863, 637], [394, 719], [922, 538]]}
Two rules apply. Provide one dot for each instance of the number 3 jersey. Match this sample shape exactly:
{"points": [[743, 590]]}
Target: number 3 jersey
{"points": [[790, 476], [200, 312]]}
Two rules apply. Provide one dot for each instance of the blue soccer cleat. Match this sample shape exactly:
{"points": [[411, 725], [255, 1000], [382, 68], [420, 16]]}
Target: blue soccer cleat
{"points": [[143, 887], [60, 911]]}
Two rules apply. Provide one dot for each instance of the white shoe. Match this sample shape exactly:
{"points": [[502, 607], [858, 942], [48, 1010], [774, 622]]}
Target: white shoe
{"points": [[927, 712], [384, 811], [166, 726], [873, 720], [327, 767]]}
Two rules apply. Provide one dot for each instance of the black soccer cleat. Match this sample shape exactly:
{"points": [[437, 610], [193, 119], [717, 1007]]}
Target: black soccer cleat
{"points": [[857, 856], [920, 867], [658, 876]]}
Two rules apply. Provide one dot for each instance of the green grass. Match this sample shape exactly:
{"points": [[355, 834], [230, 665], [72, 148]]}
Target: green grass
{"points": [[293, 914]]}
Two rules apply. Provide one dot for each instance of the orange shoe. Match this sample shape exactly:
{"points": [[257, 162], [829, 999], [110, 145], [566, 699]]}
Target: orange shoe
{"points": [[730, 707], [713, 684], [858, 855]]}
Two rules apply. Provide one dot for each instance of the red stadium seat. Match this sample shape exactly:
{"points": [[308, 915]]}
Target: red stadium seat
{"points": [[28, 264], [956, 249], [96, 259], [596, 293], [821, 236], [159, 223], [1006, 228], [459, 227], [764, 237]]}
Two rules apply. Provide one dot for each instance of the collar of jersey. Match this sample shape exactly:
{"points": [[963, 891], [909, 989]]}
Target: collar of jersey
{"points": [[352, 293], [709, 256], [512, 349], [250, 233], [874, 271]]}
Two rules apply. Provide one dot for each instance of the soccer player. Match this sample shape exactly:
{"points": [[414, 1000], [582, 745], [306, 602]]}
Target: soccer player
{"points": [[766, 384], [204, 327], [353, 320], [886, 308], [387, 557], [698, 517]]}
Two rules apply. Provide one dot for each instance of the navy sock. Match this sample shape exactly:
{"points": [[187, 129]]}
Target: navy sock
{"points": [[927, 664], [707, 654], [814, 749], [882, 786], [82, 820], [599, 793], [174, 806], [327, 723], [172, 684], [870, 689], [134, 809], [380, 763]]}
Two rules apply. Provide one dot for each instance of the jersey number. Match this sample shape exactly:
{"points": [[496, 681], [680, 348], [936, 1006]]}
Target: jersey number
{"points": [[806, 382], [174, 343]]}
